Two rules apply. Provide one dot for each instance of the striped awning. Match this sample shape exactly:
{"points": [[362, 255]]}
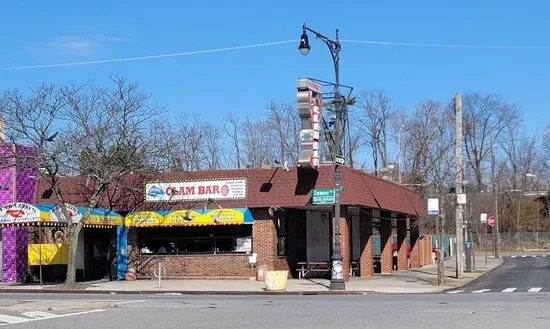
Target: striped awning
{"points": [[227, 216], [24, 214]]}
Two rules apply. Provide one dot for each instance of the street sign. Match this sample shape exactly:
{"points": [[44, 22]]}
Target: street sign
{"points": [[433, 206], [483, 218], [461, 198], [339, 160], [491, 221], [323, 196]]}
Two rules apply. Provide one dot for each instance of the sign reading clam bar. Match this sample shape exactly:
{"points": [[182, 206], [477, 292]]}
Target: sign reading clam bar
{"points": [[196, 191]]}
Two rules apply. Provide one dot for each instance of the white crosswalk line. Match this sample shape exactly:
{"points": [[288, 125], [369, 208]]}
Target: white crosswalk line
{"points": [[455, 291], [534, 256], [480, 291], [513, 256], [509, 290], [38, 314], [544, 255], [523, 256], [534, 290], [9, 319]]}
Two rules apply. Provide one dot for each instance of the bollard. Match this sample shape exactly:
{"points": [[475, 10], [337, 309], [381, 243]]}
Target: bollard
{"points": [[160, 273]]}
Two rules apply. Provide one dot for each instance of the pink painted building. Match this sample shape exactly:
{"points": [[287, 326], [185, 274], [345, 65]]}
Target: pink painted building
{"points": [[18, 179]]}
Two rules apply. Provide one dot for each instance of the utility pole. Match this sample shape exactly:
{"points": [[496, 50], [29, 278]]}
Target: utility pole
{"points": [[496, 234], [458, 187]]}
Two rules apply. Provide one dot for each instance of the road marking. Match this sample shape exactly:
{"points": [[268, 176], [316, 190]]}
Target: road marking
{"points": [[130, 302], [523, 256], [8, 319], [543, 255], [38, 314], [455, 291], [534, 290], [513, 256], [534, 256], [509, 290], [480, 291]]}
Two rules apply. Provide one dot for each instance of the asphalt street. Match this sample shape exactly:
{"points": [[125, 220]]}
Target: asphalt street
{"points": [[519, 273], [395, 311], [515, 295]]}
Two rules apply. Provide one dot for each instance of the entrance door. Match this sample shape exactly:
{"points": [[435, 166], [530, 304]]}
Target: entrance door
{"points": [[99, 252]]}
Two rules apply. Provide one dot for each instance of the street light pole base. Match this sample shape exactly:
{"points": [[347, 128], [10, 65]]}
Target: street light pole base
{"points": [[337, 284]]}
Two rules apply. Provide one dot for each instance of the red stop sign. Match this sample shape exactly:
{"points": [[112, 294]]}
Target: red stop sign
{"points": [[491, 221]]}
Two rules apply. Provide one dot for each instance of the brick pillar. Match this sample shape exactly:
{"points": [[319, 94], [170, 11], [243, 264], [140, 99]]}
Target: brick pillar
{"points": [[264, 239], [415, 242], [386, 257], [366, 265], [402, 254]]}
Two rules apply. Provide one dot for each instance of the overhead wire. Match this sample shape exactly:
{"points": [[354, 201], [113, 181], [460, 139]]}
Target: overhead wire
{"points": [[149, 57], [266, 44]]}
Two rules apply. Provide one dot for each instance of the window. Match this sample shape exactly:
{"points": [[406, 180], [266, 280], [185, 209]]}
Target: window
{"points": [[281, 224], [196, 240]]}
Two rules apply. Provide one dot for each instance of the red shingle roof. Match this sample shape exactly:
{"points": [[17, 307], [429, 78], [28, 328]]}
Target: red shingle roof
{"points": [[266, 187]]}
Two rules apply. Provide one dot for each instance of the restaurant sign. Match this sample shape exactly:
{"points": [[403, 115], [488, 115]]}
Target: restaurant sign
{"points": [[196, 191], [19, 213]]}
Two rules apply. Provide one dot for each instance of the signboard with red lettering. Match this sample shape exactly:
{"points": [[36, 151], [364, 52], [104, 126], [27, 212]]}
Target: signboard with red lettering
{"points": [[19, 213], [196, 191]]}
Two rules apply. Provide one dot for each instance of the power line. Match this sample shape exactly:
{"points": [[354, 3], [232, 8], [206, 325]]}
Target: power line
{"points": [[440, 45], [140, 58]]}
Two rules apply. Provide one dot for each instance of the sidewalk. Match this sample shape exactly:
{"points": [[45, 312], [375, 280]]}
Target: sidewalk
{"points": [[421, 280]]}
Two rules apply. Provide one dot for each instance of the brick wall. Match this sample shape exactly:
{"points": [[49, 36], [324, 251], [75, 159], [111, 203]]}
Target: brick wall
{"points": [[366, 265], [198, 267]]}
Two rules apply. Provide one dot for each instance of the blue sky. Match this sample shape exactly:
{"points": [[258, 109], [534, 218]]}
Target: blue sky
{"points": [[244, 81]]}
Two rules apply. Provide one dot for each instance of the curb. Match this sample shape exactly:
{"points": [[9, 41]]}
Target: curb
{"points": [[474, 280], [179, 292]]}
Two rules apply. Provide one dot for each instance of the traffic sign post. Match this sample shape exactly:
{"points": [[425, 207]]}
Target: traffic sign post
{"points": [[491, 221]]}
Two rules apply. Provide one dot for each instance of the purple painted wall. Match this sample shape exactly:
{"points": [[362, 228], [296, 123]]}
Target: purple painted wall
{"points": [[15, 239]]}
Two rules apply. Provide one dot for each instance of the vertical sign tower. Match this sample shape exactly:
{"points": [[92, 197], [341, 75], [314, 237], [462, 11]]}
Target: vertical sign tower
{"points": [[310, 101]]}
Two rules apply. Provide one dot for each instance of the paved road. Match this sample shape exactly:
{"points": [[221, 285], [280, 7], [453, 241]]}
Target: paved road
{"points": [[397, 311], [520, 273]]}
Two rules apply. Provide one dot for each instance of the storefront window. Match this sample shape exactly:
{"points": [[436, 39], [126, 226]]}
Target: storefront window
{"points": [[281, 235], [196, 240]]}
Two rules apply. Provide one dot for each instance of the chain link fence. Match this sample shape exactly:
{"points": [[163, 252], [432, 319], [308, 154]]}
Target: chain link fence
{"points": [[513, 241]]}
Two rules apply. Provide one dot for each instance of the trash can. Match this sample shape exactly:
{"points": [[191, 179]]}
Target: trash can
{"points": [[275, 280]]}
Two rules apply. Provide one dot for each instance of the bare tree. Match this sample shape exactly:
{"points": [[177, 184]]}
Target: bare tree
{"points": [[258, 145], [191, 142], [104, 133], [211, 149], [486, 116], [232, 128], [283, 122], [427, 146], [374, 121]]}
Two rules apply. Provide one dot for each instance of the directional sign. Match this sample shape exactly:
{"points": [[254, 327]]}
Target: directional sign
{"points": [[491, 221], [323, 196]]}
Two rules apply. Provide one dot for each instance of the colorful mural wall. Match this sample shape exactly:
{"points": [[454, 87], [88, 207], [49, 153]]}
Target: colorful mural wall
{"points": [[18, 179]]}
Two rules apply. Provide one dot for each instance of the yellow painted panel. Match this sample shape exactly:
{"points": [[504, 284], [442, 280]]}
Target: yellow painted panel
{"points": [[52, 254]]}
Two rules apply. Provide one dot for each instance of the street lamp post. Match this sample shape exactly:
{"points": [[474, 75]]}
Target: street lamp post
{"points": [[337, 276]]}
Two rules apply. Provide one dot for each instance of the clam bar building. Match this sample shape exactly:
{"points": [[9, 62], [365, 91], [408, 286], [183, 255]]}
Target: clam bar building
{"points": [[232, 223]]}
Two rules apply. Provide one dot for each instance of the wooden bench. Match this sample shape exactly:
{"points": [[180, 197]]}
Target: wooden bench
{"points": [[306, 267]]}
